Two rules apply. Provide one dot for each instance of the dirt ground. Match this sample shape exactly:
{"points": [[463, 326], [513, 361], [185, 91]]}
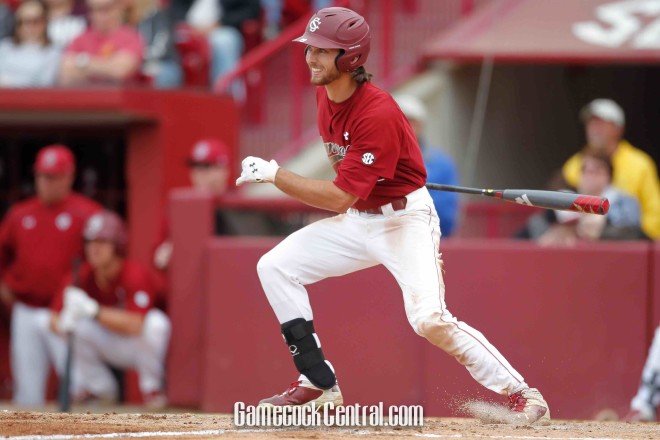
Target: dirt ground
{"points": [[54, 426]]}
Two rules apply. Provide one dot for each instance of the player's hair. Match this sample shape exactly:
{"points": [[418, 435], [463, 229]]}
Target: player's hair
{"points": [[601, 157], [361, 75]]}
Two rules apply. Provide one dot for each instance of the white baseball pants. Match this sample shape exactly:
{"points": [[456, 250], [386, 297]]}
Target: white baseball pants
{"points": [[406, 242], [96, 347], [648, 396], [33, 349]]}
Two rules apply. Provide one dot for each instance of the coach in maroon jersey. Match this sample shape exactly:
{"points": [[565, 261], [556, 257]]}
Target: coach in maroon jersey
{"points": [[39, 238], [386, 216]]}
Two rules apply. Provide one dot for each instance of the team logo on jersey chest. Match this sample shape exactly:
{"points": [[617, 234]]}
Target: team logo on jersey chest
{"points": [[63, 221], [368, 158], [29, 222]]}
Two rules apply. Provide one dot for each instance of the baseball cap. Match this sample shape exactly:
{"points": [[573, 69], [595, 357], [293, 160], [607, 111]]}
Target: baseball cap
{"points": [[604, 109], [209, 152], [412, 107], [55, 159]]}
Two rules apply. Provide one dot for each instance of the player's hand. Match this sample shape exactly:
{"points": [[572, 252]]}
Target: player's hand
{"points": [[66, 322], [255, 169], [78, 304]]}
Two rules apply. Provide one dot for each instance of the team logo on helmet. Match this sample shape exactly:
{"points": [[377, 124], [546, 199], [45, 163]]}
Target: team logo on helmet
{"points": [[50, 158], [314, 24], [201, 151], [368, 158], [94, 226]]}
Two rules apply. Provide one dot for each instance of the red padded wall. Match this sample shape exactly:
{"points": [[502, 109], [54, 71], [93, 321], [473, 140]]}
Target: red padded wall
{"points": [[191, 226], [359, 319], [571, 320]]}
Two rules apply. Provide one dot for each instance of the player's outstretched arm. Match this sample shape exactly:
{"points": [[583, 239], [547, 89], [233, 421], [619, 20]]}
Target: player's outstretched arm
{"points": [[318, 193]]}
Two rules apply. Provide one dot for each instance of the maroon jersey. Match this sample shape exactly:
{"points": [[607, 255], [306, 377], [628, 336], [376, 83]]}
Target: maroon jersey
{"points": [[132, 290], [38, 244], [371, 146]]}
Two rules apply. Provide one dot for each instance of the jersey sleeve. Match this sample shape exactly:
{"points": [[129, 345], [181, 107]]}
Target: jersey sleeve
{"points": [[77, 45], [373, 154], [132, 44], [140, 291], [84, 280]]}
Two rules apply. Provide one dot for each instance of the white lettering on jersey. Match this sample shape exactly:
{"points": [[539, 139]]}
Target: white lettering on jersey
{"points": [[63, 221], [335, 152]]}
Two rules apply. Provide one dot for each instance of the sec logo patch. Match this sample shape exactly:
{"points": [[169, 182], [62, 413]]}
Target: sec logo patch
{"points": [[368, 158]]}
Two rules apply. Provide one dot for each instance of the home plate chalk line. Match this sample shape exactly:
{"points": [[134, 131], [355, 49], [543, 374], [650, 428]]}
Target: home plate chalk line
{"points": [[220, 432]]}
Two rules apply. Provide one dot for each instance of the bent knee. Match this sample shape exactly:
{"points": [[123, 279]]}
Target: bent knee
{"points": [[435, 329], [157, 323]]}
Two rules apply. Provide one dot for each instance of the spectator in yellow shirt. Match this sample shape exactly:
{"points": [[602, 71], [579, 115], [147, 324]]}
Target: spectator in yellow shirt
{"points": [[635, 171]]}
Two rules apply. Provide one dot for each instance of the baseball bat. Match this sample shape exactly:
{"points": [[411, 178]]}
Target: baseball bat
{"points": [[64, 397], [565, 201]]}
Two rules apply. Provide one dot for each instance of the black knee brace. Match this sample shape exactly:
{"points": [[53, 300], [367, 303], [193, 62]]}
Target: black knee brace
{"points": [[307, 354]]}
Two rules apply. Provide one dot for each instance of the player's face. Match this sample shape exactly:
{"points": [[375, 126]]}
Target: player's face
{"points": [[53, 188], [601, 134], [321, 63], [210, 178], [99, 253], [595, 176]]}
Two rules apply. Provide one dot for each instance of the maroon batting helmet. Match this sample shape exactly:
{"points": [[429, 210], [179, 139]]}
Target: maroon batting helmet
{"points": [[339, 28], [107, 226]]}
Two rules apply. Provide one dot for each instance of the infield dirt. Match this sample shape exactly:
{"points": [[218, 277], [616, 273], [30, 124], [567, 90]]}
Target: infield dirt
{"points": [[55, 426]]}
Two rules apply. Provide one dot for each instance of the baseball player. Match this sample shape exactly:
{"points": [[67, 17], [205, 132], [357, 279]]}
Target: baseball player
{"points": [[386, 216], [111, 313], [39, 238], [644, 406]]}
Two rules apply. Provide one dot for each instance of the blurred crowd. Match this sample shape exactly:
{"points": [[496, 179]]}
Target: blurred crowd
{"points": [[161, 43]]}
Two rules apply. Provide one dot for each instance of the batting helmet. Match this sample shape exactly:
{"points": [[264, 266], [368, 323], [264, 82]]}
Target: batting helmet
{"points": [[107, 226], [339, 28]]}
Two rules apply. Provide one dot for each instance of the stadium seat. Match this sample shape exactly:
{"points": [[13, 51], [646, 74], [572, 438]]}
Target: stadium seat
{"points": [[193, 48]]}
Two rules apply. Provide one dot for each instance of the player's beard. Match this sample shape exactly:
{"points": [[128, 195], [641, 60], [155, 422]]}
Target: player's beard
{"points": [[326, 78]]}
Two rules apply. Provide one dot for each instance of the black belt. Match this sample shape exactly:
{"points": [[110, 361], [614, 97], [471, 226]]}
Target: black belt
{"points": [[397, 205]]}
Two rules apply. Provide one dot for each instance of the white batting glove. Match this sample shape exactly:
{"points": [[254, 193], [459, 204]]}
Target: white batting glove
{"points": [[66, 322], [78, 304], [255, 169]]}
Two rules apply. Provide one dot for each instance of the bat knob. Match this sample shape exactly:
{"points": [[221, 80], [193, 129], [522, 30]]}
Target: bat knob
{"points": [[605, 206]]}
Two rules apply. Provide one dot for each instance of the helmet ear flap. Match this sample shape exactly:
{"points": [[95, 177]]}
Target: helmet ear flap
{"points": [[339, 55]]}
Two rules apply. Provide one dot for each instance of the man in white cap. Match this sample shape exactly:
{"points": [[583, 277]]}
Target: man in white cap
{"points": [[440, 167], [634, 170]]}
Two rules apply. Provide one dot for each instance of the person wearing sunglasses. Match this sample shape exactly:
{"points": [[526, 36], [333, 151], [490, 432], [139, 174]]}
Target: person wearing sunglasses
{"points": [[28, 58]]}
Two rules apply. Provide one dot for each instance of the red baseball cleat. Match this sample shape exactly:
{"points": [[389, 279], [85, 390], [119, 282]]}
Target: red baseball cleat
{"points": [[303, 393], [529, 406]]}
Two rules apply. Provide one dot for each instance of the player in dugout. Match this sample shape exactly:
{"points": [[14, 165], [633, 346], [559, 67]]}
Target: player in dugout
{"points": [[385, 216], [110, 310], [39, 239]]}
